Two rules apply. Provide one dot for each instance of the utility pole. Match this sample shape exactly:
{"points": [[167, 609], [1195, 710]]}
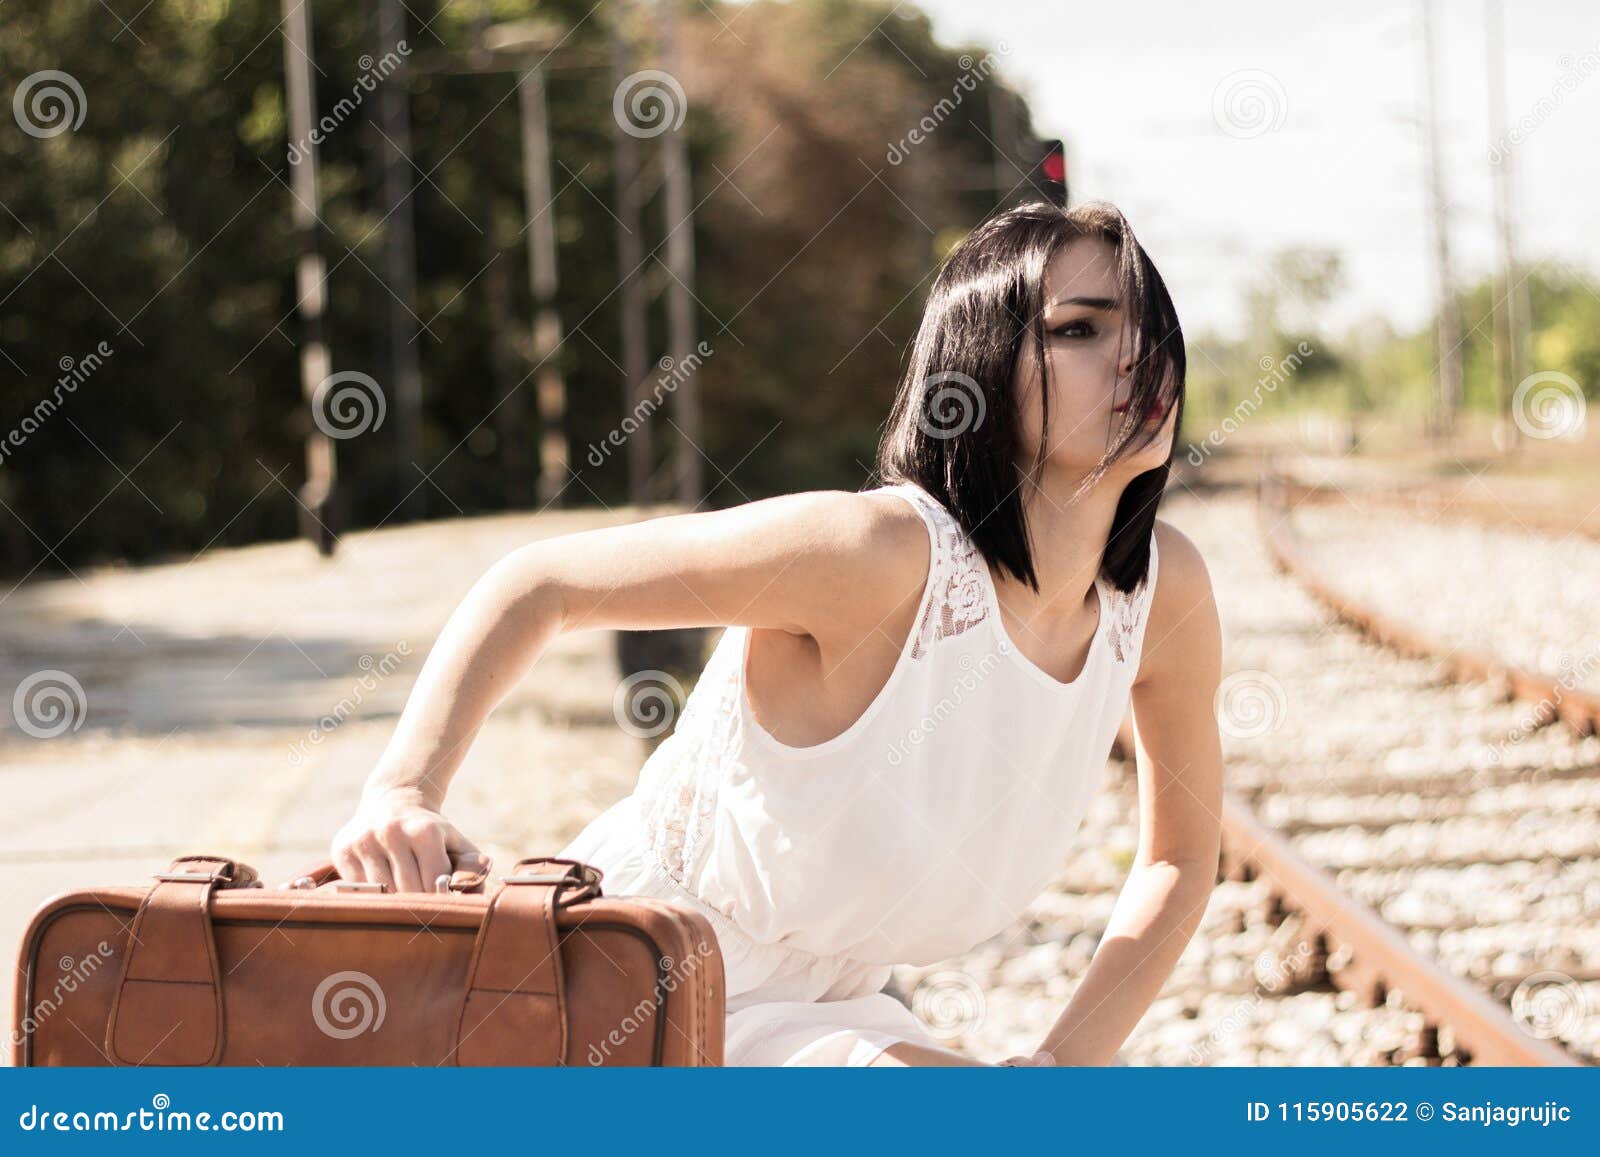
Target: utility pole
{"points": [[317, 495], [919, 195], [1002, 126], [399, 260], [1449, 328], [523, 47], [1510, 290], [678, 223], [551, 386], [510, 413], [626, 161]]}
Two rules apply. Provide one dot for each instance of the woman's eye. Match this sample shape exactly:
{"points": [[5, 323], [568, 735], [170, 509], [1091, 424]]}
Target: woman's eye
{"points": [[1074, 329]]}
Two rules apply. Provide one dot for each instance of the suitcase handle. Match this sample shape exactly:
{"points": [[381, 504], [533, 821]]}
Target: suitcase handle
{"points": [[462, 879], [172, 969]]}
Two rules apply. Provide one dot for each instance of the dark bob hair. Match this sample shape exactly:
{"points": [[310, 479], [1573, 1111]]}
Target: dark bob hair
{"points": [[954, 425]]}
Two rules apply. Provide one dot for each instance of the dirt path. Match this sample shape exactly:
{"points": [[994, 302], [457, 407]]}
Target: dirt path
{"points": [[235, 703]]}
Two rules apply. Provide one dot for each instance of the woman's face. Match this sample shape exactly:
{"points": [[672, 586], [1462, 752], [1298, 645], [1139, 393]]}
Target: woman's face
{"points": [[1089, 341]]}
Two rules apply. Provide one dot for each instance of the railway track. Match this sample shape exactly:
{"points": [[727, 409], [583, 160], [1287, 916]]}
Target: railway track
{"points": [[1390, 895], [1553, 693], [1450, 501], [1468, 886], [1244, 993]]}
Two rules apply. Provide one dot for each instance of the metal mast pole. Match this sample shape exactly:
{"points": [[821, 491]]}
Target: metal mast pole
{"points": [[1449, 329], [679, 226], [400, 263], [551, 386], [318, 492], [630, 254], [1510, 312]]}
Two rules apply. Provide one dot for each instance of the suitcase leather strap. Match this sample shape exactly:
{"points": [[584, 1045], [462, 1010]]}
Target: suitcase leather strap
{"points": [[168, 1005], [516, 991]]}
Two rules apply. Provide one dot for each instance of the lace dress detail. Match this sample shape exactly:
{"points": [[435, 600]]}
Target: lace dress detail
{"points": [[960, 579], [958, 602], [733, 822], [1128, 608], [678, 783]]}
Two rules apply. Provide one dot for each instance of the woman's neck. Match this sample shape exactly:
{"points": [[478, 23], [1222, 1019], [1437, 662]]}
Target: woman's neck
{"points": [[1068, 536]]}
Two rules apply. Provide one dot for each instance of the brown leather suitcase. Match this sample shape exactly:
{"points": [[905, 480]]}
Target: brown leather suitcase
{"points": [[208, 967]]}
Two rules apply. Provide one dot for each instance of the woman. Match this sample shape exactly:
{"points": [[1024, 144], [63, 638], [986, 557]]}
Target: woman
{"points": [[892, 746]]}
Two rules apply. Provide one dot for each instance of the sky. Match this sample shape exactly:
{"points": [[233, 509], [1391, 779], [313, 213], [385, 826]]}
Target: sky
{"points": [[1226, 130]]}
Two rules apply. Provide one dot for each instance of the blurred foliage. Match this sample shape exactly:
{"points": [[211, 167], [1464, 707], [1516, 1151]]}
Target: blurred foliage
{"points": [[1371, 368], [161, 227]]}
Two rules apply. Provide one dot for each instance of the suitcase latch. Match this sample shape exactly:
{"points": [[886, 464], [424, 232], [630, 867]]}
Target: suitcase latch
{"points": [[181, 877], [538, 878]]}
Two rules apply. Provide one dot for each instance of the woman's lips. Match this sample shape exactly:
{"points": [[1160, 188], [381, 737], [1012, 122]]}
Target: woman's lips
{"points": [[1147, 414]]}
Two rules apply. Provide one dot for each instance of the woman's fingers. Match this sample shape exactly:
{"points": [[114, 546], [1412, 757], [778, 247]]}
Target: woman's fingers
{"points": [[375, 864], [403, 846], [403, 866], [348, 864], [1040, 1059], [432, 861], [465, 854]]}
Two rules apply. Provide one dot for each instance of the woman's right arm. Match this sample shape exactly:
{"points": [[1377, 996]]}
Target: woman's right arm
{"points": [[830, 564]]}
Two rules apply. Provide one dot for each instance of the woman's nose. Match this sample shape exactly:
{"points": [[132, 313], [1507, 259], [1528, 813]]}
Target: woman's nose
{"points": [[1127, 353]]}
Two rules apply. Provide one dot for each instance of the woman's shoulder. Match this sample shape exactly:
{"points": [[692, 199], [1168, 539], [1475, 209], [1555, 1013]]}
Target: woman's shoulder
{"points": [[868, 528], [1182, 612], [1181, 567], [874, 548], [888, 537]]}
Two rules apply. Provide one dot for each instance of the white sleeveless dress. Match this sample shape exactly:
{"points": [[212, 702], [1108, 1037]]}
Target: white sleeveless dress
{"points": [[924, 828]]}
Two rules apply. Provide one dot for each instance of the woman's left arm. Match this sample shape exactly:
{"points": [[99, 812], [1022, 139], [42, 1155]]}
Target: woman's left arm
{"points": [[1179, 757]]}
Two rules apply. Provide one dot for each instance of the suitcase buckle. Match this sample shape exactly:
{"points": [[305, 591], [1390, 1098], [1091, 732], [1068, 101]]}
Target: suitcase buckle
{"points": [[184, 877], [570, 889], [538, 878], [360, 886], [227, 873]]}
